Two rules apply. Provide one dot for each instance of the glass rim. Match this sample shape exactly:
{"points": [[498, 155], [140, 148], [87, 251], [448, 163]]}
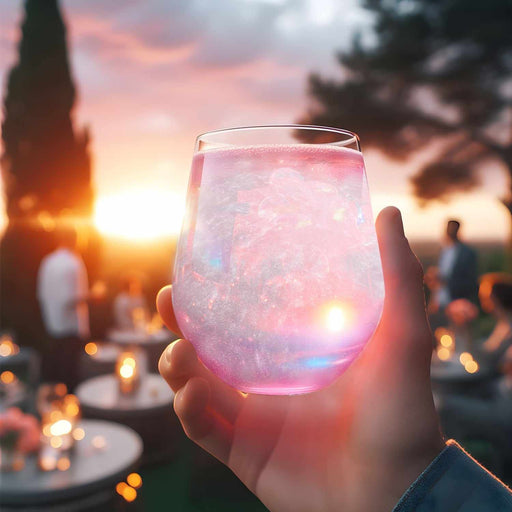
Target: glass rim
{"points": [[352, 136]]}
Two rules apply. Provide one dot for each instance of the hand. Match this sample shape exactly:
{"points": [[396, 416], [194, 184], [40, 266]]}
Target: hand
{"points": [[354, 446]]}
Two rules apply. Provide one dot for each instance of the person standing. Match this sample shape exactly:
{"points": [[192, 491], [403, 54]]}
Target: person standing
{"points": [[457, 269], [63, 292], [129, 302]]}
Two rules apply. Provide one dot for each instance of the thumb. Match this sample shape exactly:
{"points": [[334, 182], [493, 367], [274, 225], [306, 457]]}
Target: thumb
{"points": [[404, 323]]}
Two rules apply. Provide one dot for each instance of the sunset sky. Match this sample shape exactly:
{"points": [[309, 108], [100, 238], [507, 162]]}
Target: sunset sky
{"points": [[153, 74]]}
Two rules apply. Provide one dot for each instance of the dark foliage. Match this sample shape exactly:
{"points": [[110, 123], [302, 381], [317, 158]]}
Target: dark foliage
{"points": [[45, 165], [439, 72]]}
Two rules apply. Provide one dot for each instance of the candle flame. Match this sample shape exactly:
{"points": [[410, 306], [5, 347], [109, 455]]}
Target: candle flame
{"points": [[446, 340], [130, 361], [61, 428], [7, 347], [126, 371]]}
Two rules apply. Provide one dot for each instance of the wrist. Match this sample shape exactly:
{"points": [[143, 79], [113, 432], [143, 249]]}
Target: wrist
{"points": [[380, 485]]}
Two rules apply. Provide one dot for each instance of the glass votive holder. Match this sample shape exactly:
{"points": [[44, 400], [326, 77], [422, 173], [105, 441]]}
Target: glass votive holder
{"points": [[60, 414], [445, 343], [130, 370], [7, 345], [140, 319]]}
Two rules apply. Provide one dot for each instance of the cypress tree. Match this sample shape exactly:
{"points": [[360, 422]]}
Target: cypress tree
{"points": [[46, 166]]}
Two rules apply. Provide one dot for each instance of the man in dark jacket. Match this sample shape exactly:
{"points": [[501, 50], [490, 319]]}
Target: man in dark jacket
{"points": [[457, 268]]}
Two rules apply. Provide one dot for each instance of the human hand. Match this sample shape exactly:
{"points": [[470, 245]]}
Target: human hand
{"points": [[356, 445]]}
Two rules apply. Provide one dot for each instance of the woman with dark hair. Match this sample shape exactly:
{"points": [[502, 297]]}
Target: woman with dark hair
{"points": [[496, 298], [488, 419]]}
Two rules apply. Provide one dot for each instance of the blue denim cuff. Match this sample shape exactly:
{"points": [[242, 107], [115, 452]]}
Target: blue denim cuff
{"points": [[454, 481]]}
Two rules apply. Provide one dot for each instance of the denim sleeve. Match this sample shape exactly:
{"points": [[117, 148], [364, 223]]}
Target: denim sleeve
{"points": [[455, 481]]}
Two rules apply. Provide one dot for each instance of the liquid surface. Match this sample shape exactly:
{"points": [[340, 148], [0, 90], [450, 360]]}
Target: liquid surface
{"points": [[278, 281]]}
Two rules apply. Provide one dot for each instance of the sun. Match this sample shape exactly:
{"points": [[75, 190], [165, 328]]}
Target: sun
{"points": [[139, 214]]}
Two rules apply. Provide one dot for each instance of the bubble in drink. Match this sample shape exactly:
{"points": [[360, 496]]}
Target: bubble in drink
{"points": [[278, 282]]}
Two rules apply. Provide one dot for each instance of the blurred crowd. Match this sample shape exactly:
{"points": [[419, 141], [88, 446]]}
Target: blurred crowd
{"points": [[480, 407], [65, 297]]}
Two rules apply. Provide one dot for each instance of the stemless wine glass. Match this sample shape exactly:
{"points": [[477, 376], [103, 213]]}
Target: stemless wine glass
{"points": [[277, 281]]}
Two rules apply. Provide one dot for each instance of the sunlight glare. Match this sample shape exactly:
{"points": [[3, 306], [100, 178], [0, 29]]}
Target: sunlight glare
{"points": [[336, 319], [139, 214]]}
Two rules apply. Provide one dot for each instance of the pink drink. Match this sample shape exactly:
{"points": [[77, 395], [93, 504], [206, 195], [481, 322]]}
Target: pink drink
{"points": [[278, 282]]}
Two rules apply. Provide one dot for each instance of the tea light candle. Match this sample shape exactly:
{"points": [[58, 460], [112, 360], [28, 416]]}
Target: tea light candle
{"points": [[445, 343], [59, 433], [139, 319], [7, 346], [155, 324], [128, 372]]}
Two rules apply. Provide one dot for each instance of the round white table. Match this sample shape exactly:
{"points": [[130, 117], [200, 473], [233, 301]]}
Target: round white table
{"points": [[153, 344], [451, 377], [101, 395], [148, 411], [89, 481], [102, 362]]}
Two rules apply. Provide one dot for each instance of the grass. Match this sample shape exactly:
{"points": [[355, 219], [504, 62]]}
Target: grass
{"points": [[194, 482]]}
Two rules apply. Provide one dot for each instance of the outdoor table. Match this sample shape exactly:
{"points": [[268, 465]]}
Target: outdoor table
{"points": [[152, 343], [15, 394], [100, 363], [25, 365], [148, 411], [89, 483], [451, 377]]}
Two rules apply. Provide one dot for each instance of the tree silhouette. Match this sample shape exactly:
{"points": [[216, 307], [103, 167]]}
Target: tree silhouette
{"points": [[45, 164], [439, 72]]}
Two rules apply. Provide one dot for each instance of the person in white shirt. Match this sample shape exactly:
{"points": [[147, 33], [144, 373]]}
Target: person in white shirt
{"points": [[130, 302], [63, 291]]}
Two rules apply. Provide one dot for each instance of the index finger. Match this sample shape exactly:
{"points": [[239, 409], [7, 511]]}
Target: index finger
{"points": [[166, 311]]}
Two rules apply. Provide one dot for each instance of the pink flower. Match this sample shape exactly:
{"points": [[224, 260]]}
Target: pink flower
{"points": [[461, 311], [26, 426]]}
